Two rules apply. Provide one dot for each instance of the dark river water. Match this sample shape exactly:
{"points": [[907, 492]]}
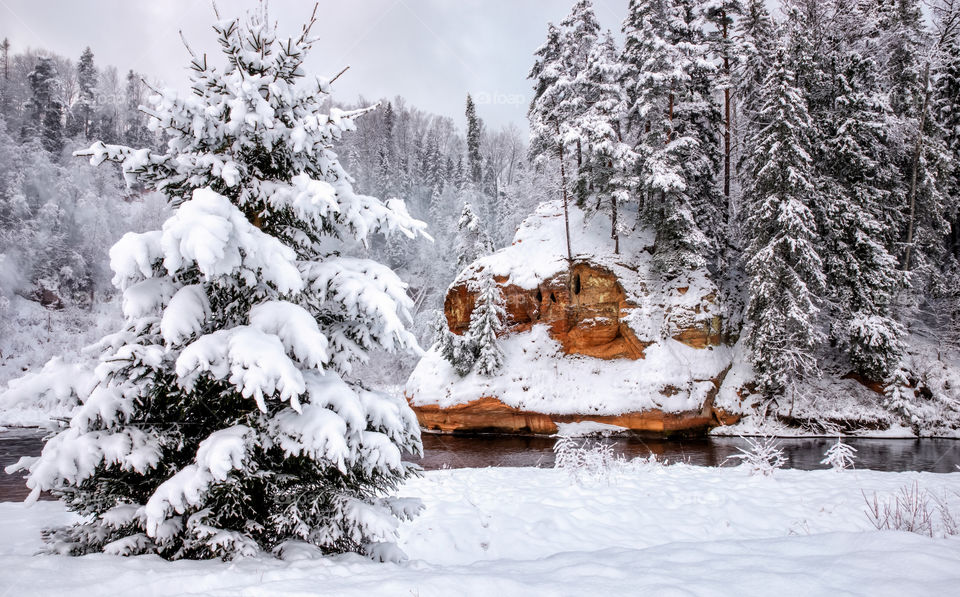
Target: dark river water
{"points": [[476, 451]]}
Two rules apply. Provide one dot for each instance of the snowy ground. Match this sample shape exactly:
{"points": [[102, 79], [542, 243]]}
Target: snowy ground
{"points": [[676, 530]]}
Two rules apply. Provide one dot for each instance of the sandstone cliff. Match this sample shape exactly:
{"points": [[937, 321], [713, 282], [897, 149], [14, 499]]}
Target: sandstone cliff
{"points": [[605, 338]]}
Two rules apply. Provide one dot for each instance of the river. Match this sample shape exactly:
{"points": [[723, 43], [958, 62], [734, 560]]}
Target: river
{"points": [[453, 451]]}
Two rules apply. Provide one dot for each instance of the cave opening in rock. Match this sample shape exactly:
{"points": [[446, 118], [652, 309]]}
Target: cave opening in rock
{"points": [[576, 284], [539, 296], [553, 298]]}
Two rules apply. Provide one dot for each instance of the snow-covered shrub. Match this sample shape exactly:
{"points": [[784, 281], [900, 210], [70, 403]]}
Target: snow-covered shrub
{"points": [[925, 391], [225, 419], [840, 456], [763, 456], [584, 458]]}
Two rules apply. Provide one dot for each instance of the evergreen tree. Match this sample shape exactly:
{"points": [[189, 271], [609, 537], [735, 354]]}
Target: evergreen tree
{"points": [[83, 110], [756, 35], [862, 274], [697, 122], [947, 110], [612, 161], [786, 276], [723, 15], [549, 116], [45, 110], [579, 33], [135, 132], [474, 133], [675, 125], [486, 322], [473, 241], [5, 88], [225, 419]]}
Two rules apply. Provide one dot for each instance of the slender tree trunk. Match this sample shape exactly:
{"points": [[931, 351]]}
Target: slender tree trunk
{"points": [[916, 166], [670, 115], [726, 114], [566, 214], [613, 224]]}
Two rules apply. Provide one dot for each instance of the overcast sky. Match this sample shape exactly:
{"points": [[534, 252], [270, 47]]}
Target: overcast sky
{"points": [[431, 52]]}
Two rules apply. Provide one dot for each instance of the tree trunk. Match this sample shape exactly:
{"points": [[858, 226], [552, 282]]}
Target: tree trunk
{"points": [[670, 114], [918, 147], [566, 215], [613, 224], [726, 115]]}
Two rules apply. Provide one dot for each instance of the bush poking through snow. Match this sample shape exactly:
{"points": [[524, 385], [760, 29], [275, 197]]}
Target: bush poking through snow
{"points": [[763, 456], [913, 510], [840, 456], [585, 459]]}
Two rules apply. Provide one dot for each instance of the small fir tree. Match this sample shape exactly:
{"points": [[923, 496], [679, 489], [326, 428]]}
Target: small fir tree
{"points": [[840, 456], [486, 323], [473, 241]]}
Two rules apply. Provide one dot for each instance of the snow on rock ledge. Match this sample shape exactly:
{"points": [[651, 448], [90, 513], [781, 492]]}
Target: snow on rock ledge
{"points": [[606, 340]]}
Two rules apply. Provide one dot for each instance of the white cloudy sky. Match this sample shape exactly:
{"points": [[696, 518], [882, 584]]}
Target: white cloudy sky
{"points": [[432, 52]]}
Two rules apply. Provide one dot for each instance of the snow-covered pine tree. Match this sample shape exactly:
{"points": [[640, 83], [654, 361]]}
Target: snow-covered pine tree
{"points": [[755, 38], [45, 110], [486, 322], [855, 222], [474, 135], [612, 161], [697, 122], [134, 129], [840, 456], [548, 115], [723, 15], [786, 276], [579, 32], [664, 56], [473, 241], [80, 118], [947, 110], [225, 420]]}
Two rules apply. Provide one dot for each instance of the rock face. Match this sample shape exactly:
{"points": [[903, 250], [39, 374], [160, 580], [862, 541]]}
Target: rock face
{"points": [[605, 339], [586, 313]]}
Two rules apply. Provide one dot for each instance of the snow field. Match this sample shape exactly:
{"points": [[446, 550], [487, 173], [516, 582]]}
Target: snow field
{"points": [[646, 529]]}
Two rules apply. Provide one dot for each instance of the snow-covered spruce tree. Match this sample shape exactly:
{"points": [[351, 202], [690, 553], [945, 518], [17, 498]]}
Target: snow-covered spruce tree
{"points": [[549, 115], [225, 420], [579, 32], [696, 123], [486, 322], [855, 222], [474, 135], [456, 349], [786, 276], [44, 108], [473, 241], [840, 456], [80, 117], [755, 38], [669, 116], [612, 162]]}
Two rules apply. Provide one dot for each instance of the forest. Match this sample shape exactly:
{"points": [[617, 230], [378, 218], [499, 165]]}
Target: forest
{"points": [[313, 344], [806, 158]]}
